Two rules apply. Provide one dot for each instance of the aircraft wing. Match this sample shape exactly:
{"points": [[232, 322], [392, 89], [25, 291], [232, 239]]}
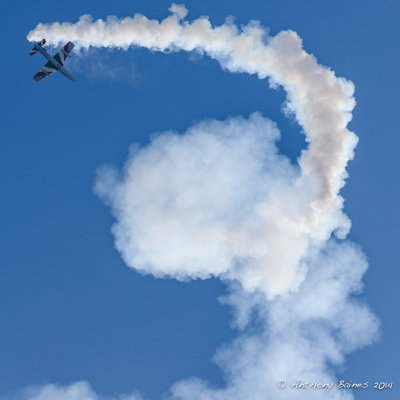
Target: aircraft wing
{"points": [[55, 63], [39, 76], [63, 53], [46, 71]]}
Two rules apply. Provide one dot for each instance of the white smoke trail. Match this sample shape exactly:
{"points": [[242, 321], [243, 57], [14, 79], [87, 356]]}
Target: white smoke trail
{"points": [[320, 101], [220, 201]]}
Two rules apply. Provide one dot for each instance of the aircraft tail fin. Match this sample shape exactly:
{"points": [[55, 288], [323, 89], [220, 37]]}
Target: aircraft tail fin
{"points": [[34, 50]]}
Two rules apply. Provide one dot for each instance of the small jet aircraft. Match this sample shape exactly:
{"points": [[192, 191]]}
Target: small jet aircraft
{"points": [[55, 63]]}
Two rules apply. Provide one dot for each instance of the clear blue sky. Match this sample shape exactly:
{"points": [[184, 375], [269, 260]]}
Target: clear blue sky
{"points": [[70, 309]]}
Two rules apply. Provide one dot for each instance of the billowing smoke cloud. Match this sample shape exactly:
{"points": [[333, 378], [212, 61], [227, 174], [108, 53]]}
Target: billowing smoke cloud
{"points": [[209, 203], [212, 202], [220, 201], [301, 338]]}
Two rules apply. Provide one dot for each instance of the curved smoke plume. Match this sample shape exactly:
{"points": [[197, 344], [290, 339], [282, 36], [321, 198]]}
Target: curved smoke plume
{"points": [[221, 201]]}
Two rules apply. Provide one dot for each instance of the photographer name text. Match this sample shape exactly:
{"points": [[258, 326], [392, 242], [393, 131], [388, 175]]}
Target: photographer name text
{"points": [[342, 384]]}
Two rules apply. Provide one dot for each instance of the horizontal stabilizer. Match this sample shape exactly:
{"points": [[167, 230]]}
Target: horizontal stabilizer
{"points": [[34, 50]]}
